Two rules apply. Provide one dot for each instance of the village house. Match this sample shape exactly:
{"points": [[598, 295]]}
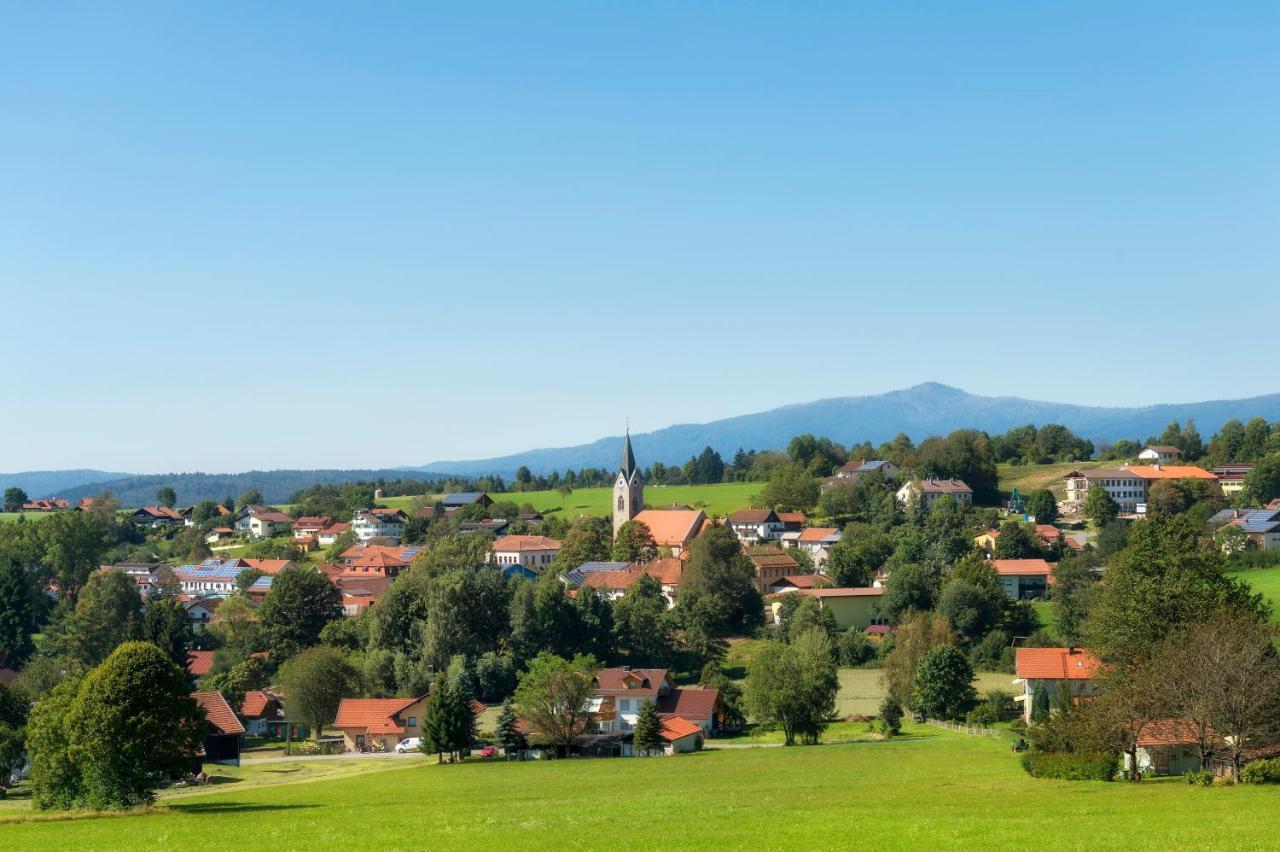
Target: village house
{"points": [[815, 541], [217, 535], [222, 743], [372, 524], [681, 735], [1160, 454], [1168, 747], [855, 470], [792, 521], [853, 609], [534, 552], [200, 612], [263, 523], [360, 593], [378, 724], [495, 527], [925, 492], [753, 526], [199, 663], [456, 501], [327, 536], [158, 517], [374, 561], [621, 693], [1260, 526], [1024, 579], [261, 713], [56, 505], [1231, 477], [771, 564], [1046, 535], [1046, 671], [1129, 485], [309, 526], [674, 529], [795, 582], [211, 578]]}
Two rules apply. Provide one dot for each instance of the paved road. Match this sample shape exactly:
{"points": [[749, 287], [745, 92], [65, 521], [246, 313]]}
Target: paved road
{"points": [[346, 755]]}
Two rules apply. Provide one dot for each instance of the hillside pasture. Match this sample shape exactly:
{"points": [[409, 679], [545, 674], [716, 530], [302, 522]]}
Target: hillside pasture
{"points": [[943, 790], [719, 499], [1033, 477]]}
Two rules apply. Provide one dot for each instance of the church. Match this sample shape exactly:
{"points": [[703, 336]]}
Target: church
{"points": [[628, 488]]}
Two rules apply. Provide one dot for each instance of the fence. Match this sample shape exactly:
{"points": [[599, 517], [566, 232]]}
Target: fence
{"points": [[973, 730]]}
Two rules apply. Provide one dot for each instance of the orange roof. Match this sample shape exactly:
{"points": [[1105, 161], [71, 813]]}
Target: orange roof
{"points": [[666, 571], [1169, 471], [673, 527], [377, 559], [1056, 663], [524, 543], [269, 566], [612, 579], [254, 704], [199, 662], [373, 715], [817, 533], [1022, 567], [792, 517], [678, 727], [219, 712], [800, 581]]}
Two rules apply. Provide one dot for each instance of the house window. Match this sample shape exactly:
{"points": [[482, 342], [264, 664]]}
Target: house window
{"points": [[411, 722]]}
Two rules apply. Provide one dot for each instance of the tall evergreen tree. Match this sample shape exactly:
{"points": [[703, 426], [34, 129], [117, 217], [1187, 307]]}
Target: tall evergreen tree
{"points": [[507, 732], [165, 625], [647, 737], [15, 613]]}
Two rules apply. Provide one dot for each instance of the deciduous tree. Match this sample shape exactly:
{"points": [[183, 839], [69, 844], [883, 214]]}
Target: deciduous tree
{"points": [[315, 682]]}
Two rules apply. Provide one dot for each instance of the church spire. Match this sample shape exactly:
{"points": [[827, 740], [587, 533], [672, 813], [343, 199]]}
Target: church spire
{"points": [[628, 457]]}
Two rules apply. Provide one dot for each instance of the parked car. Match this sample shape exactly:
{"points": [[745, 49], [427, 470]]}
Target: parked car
{"points": [[407, 744], [488, 751]]}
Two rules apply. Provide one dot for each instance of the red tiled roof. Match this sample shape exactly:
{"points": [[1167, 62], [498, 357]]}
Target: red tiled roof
{"points": [[336, 529], [666, 571], [269, 566], [800, 581], [672, 527], [1022, 567], [751, 516], [816, 534], [524, 543], [377, 559], [199, 662], [1167, 732], [792, 517], [1056, 663], [373, 715], [612, 579], [254, 704], [614, 681], [696, 704], [1169, 471], [676, 728], [219, 712]]}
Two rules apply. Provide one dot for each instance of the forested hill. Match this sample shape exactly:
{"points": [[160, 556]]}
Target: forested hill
{"points": [[39, 484], [920, 411], [276, 485]]}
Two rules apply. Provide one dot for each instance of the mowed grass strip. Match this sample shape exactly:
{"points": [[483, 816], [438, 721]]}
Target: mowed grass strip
{"points": [[718, 499], [947, 791]]}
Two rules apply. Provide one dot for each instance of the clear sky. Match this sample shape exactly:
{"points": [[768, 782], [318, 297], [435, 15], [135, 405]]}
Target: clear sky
{"points": [[239, 235]]}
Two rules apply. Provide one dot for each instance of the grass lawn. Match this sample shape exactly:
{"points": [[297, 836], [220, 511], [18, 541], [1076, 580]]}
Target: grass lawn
{"points": [[720, 499], [861, 691], [1047, 615], [943, 791], [1266, 582], [1033, 477], [9, 517]]}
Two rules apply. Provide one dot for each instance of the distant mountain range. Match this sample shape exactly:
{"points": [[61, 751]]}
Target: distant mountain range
{"points": [[45, 483], [920, 411]]}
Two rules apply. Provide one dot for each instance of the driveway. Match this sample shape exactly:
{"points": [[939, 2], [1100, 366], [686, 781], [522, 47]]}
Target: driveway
{"points": [[346, 755]]}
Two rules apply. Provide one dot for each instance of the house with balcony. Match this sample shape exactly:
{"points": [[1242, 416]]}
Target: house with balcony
{"points": [[753, 526]]}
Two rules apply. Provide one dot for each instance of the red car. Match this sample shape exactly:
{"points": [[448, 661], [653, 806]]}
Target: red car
{"points": [[488, 751]]}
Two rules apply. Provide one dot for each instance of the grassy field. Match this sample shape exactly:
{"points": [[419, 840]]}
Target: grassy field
{"points": [[1033, 477], [1266, 582], [9, 517], [718, 499], [940, 791]]}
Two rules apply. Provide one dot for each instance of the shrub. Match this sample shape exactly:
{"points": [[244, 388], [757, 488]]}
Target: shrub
{"points": [[853, 648], [1070, 765], [890, 717], [1203, 778], [306, 747], [1261, 772]]}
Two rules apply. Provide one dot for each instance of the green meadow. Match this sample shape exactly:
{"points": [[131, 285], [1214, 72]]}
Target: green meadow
{"points": [[929, 789], [719, 499]]}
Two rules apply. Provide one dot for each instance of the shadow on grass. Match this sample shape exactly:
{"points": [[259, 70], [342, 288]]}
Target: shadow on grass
{"points": [[201, 808]]}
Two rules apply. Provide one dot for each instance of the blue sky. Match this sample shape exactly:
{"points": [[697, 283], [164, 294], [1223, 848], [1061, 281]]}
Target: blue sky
{"points": [[313, 235]]}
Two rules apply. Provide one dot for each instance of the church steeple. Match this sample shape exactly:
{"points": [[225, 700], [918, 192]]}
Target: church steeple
{"points": [[628, 457], [628, 487]]}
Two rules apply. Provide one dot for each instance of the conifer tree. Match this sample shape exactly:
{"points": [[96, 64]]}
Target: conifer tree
{"points": [[506, 733], [648, 733]]}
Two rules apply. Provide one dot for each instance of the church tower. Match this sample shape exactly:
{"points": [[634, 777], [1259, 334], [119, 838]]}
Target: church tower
{"points": [[628, 488]]}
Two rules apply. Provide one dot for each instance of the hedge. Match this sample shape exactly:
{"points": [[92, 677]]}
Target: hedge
{"points": [[1071, 766], [1261, 772]]}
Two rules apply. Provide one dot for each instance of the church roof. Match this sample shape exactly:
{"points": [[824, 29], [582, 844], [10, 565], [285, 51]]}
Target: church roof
{"points": [[628, 457]]}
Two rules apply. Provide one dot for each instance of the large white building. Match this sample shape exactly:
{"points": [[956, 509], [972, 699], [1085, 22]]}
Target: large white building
{"points": [[927, 492], [372, 524]]}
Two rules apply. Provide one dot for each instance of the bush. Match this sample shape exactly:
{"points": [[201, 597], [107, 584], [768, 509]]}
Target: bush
{"points": [[982, 716], [890, 717], [853, 648], [1203, 778], [1070, 765], [305, 747], [1261, 772]]}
